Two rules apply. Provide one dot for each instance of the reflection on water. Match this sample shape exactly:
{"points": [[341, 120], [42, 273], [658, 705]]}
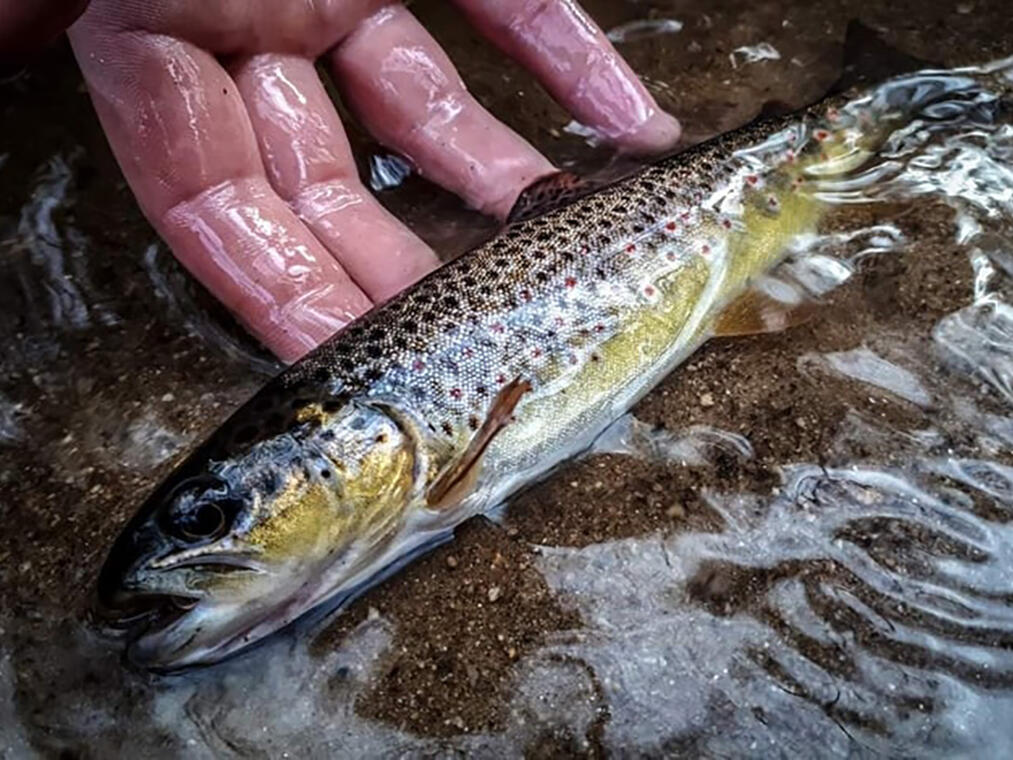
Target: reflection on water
{"points": [[862, 606]]}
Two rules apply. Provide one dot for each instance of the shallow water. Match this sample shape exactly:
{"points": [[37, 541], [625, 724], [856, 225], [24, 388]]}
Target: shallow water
{"points": [[852, 600]]}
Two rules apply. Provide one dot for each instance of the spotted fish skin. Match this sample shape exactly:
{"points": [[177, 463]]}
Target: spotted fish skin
{"points": [[441, 403], [558, 299]]}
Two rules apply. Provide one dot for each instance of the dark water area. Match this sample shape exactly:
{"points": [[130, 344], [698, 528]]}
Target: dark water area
{"points": [[800, 545]]}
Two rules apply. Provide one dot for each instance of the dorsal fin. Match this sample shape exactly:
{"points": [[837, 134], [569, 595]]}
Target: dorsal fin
{"points": [[868, 59], [552, 192]]}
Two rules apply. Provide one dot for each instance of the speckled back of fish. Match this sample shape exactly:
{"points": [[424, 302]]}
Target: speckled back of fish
{"points": [[441, 403]]}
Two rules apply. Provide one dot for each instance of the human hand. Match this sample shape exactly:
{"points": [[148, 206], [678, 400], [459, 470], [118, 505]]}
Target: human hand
{"points": [[236, 155]]}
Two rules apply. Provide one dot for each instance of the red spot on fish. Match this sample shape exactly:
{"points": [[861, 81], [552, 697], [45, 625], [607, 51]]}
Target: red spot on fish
{"points": [[418, 366], [456, 393], [726, 223], [649, 291], [631, 248], [821, 134], [571, 282], [752, 179], [501, 379], [599, 327], [670, 226], [684, 216], [536, 352], [497, 327], [526, 295], [705, 249]]}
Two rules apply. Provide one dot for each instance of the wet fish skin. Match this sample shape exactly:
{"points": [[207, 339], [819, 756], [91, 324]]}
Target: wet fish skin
{"points": [[326, 476]]}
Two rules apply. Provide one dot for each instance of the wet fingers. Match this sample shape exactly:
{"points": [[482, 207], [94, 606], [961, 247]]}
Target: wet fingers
{"points": [[406, 91], [308, 161]]}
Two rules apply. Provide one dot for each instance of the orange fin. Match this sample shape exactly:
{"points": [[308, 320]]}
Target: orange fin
{"points": [[549, 193], [756, 312], [460, 475]]}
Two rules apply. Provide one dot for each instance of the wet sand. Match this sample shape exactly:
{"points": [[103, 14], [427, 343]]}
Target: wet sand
{"points": [[72, 470]]}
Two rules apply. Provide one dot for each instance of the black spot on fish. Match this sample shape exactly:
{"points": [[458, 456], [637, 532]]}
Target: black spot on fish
{"points": [[327, 435], [373, 374], [325, 474], [373, 351], [321, 374], [450, 302], [448, 429]]}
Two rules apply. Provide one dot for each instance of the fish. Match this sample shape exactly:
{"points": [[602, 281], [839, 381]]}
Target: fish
{"points": [[443, 402]]}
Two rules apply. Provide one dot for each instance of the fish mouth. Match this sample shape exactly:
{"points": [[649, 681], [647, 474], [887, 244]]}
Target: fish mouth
{"points": [[131, 613]]}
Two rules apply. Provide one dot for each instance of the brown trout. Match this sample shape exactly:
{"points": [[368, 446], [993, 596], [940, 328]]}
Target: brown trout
{"points": [[440, 404]]}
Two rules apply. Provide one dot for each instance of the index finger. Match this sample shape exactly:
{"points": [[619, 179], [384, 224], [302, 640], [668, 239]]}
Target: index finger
{"points": [[576, 63]]}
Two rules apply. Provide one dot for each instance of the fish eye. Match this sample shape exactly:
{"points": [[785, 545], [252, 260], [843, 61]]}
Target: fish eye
{"points": [[205, 520], [199, 509]]}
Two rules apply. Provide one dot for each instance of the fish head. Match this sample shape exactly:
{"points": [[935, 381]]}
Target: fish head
{"points": [[235, 545]]}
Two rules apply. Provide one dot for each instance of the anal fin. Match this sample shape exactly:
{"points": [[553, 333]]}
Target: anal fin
{"points": [[757, 311], [460, 476]]}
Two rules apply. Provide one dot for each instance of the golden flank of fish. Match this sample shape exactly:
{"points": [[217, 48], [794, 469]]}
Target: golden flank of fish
{"points": [[438, 405]]}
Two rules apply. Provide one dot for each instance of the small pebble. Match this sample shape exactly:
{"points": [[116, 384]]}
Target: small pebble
{"points": [[168, 397], [494, 593], [800, 422], [451, 561], [965, 8], [707, 400], [677, 511]]}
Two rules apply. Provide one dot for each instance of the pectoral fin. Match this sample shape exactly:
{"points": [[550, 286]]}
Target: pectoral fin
{"points": [[757, 311], [459, 477]]}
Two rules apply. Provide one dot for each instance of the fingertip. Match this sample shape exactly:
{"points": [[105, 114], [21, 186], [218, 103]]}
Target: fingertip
{"points": [[658, 133]]}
